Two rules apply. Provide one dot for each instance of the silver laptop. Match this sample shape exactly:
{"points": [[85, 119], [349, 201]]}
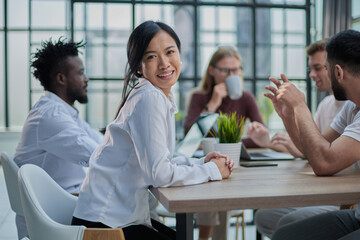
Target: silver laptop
{"points": [[268, 155], [191, 142]]}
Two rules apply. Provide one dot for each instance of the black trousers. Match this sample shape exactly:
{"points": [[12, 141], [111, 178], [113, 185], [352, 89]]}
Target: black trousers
{"points": [[136, 232]]}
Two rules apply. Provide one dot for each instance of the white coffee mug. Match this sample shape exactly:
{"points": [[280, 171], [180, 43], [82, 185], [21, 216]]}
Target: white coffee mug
{"points": [[208, 144], [234, 86]]}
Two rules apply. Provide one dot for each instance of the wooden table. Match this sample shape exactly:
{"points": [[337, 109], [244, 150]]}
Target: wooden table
{"points": [[290, 184]]}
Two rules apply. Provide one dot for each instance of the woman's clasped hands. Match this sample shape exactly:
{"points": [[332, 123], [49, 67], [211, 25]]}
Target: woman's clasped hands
{"points": [[223, 162]]}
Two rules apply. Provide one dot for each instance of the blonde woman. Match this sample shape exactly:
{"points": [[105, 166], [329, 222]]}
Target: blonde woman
{"points": [[212, 96]]}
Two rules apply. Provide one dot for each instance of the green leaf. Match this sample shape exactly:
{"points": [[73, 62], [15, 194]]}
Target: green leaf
{"points": [[230, 128]]}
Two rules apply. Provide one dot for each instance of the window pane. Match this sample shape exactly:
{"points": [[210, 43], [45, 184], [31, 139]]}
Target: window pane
{"points": [[296, 62], [263, 54], [184, 27], [114, 98], [289, 2], [18, 75], [247, 60], [208, 38], [205, 55], [2, 82], [263, 30], [94, 61], [38, 37], [119, 16], [164, 13], [17, 13], [48, 14], [355, 8], [295, 39], [277, 61], [169, 1], [227, 39], [95, 37], [277, 39], [118, 37], [295, 21], [79, 16], [96, 104], [94, 16], [116, 62], [2, 12], [207, 18], [227, 18], [296, 2], [227, 1], [356, 26], [277, 20], [79, 36]]}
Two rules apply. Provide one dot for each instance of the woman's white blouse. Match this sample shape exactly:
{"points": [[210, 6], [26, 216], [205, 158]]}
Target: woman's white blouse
{"points": [[137, 152]]}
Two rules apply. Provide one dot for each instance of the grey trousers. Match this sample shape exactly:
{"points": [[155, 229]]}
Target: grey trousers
{"points": [[21, 227], [268, 220], [329, 226]]}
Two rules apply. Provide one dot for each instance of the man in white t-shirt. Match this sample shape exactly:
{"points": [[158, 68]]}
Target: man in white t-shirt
{"points": [[268, 220], [337, 148], [54, 136]]}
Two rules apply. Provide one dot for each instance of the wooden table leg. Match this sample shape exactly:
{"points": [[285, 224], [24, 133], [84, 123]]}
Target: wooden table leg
{"points": [[184, 226]]}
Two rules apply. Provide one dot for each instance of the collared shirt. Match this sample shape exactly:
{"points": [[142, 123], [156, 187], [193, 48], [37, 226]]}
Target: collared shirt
{"points": [[137, 152], [55, 138]]}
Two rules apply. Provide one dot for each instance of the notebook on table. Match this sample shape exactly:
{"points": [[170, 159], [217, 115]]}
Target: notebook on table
{"points": [[191, 142], [267, 155]]}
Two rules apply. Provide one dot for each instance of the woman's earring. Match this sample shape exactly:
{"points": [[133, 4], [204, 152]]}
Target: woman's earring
{"points": [[180, 62], [138, 72]]}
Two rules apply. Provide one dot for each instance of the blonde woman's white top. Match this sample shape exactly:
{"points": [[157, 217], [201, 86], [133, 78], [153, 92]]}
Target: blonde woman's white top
{"points": [[137, 152]]}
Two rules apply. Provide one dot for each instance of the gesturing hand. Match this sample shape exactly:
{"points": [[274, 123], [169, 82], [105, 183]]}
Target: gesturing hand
{"points": [[285, 97]]}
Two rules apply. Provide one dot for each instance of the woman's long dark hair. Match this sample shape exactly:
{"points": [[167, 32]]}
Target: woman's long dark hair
{"points": [[138, 42]]}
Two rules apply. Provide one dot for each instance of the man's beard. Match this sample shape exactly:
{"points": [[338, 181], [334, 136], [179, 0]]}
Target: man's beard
{"points": [[339, 92], [73, 96], [83, 99]]}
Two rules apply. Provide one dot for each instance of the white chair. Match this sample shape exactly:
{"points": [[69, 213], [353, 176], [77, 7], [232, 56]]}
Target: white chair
{"points": [[48, 209], [11, 169], [11, 173], [163, 213]]}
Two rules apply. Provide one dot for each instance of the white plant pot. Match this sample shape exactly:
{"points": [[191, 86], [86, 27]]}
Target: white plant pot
{"points": [[233, 150]]}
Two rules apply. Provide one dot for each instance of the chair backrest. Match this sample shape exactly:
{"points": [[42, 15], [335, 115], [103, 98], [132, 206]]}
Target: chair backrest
{"points": [[48, 208], [11, 169]]}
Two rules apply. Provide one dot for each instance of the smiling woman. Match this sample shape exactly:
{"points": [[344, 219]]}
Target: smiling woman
{"points": [[161, 62], [138, 147]]}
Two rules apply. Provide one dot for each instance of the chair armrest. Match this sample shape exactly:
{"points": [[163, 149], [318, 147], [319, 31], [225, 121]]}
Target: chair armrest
{"points": [[103, 234]]}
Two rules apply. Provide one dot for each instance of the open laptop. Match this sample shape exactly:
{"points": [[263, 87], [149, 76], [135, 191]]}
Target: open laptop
{"points": [[190, 143], [267, 155]]}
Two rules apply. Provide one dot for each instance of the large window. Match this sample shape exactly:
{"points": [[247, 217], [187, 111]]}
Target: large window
{"points": [[355, 13], [270, 35]]}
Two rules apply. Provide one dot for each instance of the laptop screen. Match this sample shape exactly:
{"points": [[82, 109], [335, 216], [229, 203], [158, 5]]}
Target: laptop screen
{"points": [[198, 130]]}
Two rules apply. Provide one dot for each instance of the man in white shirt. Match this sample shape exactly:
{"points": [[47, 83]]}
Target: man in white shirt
{"points": [[54, 136], [268, 220]]}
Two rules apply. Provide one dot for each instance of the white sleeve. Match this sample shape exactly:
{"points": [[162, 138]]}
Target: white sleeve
{"points": [[182, 160], [340, 121], [60, 135], [149, 126]]}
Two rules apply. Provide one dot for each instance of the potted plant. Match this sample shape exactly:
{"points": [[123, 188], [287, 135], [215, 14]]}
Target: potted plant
{"points": [[230, 131]]}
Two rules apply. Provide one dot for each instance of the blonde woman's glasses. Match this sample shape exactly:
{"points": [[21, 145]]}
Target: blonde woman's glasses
{"points": [[227, 71]]}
